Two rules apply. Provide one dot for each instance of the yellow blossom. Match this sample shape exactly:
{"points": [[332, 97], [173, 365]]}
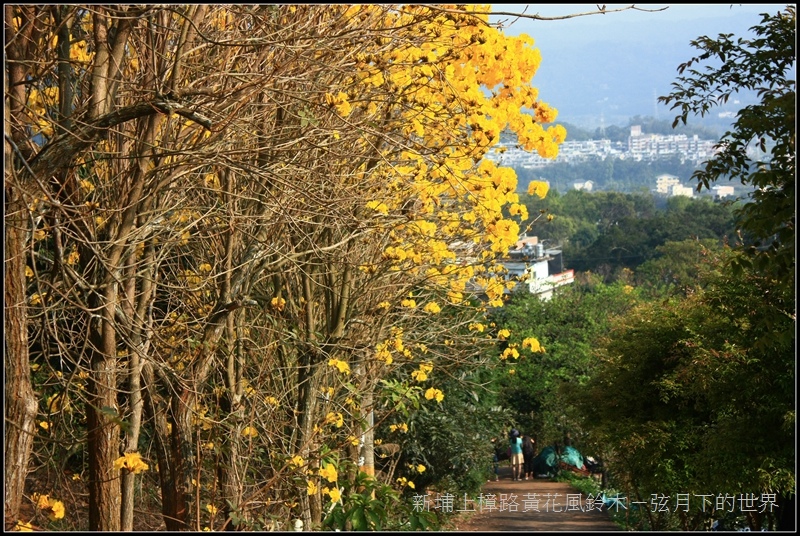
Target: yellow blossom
{"points": [[44, 424], [73, 257], [419, 375], [432, 393], [296, 461], [334, 494], [378, 206], [343, 367], [312, 488], [249, 431], [57, 403], [211, 509], [402, 427], [432, 307], [538, 188], [503, 334], [132, 461], [278, 304], [533, 344], [329, 473], [421, 468], [54, 508], [23, 527], [403, 481], [334, 418]]}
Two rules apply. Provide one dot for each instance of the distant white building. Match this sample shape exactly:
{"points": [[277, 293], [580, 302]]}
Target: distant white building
{"points": [[536, 269], [677, 189], [665, 182], [722, 191], [586, 185]]}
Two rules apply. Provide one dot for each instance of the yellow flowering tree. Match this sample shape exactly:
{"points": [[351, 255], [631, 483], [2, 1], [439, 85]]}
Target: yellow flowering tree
{"points": [[243, 258]]}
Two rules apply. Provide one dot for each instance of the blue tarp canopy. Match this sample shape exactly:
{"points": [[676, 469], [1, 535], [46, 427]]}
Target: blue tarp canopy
{"points": [[547, 462]]}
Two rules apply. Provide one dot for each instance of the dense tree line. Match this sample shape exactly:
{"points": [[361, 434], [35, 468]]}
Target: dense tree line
{"points": [[610, 174], [607, 232]]}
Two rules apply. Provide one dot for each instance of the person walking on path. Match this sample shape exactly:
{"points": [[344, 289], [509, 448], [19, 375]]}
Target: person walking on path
{"points": [[528, 454], [515, 443]]}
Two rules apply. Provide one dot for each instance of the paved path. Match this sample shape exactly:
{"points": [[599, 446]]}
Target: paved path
{"points": [[541, 505]]}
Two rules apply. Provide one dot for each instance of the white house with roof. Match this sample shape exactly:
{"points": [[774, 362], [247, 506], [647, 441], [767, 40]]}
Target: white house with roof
{"points": [[536, 269]]}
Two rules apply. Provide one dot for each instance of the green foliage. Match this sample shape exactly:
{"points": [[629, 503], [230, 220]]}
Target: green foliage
{"points": [[452, 439], [611, 231], [568, 327], [694, 394], [367, 505], [677, 266], [765, 64]]}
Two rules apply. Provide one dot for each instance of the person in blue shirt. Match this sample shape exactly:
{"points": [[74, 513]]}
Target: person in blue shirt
{"points": [[517, 461]]}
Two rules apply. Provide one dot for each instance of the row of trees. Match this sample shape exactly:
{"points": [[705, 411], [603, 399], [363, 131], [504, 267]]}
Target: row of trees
{"points": [[230, 232]]}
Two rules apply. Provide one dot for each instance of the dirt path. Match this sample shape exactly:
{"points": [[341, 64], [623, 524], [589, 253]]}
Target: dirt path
{"points": [[535, 505]]}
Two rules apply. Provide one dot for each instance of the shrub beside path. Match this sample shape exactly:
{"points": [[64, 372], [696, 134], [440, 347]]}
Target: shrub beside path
{"points": [[541, 505]]}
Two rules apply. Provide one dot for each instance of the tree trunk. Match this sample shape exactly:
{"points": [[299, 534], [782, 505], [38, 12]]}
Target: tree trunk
{"points": [[21, 402], [140, 348], [102, 432]]}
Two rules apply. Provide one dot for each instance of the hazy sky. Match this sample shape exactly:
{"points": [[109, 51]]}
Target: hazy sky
{"points": [[673, 12], [609, 67]]}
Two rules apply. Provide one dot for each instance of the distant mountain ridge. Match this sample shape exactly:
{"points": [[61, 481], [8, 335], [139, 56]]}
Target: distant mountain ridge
{"points": [[597, 74]]}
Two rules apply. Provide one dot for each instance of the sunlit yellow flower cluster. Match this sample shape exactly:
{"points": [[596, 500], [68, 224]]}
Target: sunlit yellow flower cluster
{"points": [[419, 468], [510, 352], [334, 493], [334, 418], [432, 393], [533, 344], [131, 461], [329, 472], [403, 481], [422, 374], [55, 509], [278, 303], [432, 307], [402, 427], [343, 367]]}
